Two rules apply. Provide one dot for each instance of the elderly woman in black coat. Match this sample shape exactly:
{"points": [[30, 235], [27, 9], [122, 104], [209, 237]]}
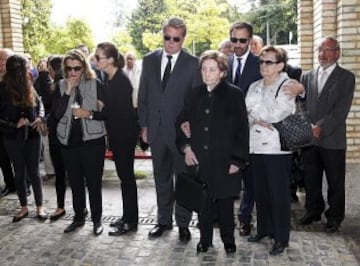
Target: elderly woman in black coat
{"points": [[216, 138]]}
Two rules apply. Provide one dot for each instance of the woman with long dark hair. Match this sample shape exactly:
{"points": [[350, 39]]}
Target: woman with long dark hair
{"points": [[21, 115]]}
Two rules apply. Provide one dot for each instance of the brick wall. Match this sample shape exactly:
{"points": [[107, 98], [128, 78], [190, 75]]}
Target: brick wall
{"points": [[340, 19], [11, 25]]}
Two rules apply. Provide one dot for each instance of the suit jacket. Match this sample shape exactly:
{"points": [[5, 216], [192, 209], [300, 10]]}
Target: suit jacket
{"points": [[251, 72], [330, 109], [158, 109], [219, 136]]}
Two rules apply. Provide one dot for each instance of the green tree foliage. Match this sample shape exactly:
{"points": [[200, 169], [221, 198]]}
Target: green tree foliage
{"points": [[122, 40], [36, 26]]}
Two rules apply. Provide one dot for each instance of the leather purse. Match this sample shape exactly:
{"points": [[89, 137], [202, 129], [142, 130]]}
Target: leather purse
{"points": [[295, 130], [190, 192]]}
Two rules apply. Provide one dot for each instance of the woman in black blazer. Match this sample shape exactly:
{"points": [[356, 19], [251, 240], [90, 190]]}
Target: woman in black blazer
{"points": [[120, 120], [218, 143]]}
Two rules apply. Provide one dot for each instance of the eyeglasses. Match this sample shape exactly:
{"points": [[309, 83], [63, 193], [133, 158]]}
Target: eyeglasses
{"points": [[241, 40], [98, 58], [76, 69], [267, 62], [168, 38]]}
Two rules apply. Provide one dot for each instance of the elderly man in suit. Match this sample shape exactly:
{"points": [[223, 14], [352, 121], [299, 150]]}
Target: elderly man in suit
{"points": [[168, 74], [329, 93], [244, 70]]}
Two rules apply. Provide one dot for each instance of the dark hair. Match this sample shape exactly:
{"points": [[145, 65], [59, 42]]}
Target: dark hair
{"points": [[55, 62], [242, 25], [76, 54], [176, 23], [219, 57], [18, 81], [110, 50]]}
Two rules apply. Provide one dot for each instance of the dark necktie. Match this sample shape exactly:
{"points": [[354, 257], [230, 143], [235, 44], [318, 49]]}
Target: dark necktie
{"points": [[238, 71], [167, 72]]}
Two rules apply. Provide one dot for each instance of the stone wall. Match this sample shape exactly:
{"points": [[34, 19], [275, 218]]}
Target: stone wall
{"points": [[340, 19], [11, 25]]}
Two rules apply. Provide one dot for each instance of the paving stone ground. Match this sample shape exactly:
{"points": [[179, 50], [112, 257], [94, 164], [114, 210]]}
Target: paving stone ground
{"points": [[31, 242]]}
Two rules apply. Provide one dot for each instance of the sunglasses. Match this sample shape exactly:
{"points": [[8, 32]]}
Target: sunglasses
{"points": [[168, 38], [98, 58], [241, 40], [76, 69], [267, 62]]}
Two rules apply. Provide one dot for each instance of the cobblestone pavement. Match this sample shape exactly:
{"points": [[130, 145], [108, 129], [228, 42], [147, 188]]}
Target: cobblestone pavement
{"points": [[31, 242]]}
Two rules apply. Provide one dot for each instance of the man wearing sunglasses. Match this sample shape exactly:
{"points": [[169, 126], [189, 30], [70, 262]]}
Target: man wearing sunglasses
{"points": [[244, 70], [168, 74]]}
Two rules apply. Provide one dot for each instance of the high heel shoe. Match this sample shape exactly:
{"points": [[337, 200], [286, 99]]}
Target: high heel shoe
{"points": [[18, 217]]}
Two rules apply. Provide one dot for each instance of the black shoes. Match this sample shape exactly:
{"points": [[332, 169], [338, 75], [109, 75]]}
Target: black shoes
{"points": [[42, 216], [184, 234], [119, 222], [202, 247], [256, 238], [123, 229], [5, 191], [56, 216], [230, 248], [72, 227], [20, 216], [278, 248], [245, 229], [332, 226], [159, 229], [308, 219], [98, 229]]}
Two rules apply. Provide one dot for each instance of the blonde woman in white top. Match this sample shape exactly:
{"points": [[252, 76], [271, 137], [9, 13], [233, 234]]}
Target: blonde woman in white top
{"points": [[270, 165]]}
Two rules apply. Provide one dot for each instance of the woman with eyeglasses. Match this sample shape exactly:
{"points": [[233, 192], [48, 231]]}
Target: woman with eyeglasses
{"points": [[82, 139], [122, 128], [21, 113], [270, 165]]}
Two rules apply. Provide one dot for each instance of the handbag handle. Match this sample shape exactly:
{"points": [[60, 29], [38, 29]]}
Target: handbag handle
{"points": [[277, 91]]}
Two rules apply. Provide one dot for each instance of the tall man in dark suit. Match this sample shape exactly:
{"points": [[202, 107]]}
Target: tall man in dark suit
{"points": [[329, 93], [168, 74], [244, 70]]}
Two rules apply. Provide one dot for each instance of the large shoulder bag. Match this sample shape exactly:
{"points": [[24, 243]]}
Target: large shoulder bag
{"points": [[190, 192], [295, 130]]}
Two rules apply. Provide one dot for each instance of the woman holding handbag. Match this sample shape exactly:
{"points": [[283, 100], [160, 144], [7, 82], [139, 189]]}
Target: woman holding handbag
{"points": [[267, 103], [217, 141]]}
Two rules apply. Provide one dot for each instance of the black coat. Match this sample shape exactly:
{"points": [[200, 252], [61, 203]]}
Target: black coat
{"points": [[219, 136]]}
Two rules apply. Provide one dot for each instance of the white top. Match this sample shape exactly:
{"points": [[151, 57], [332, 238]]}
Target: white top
{"points": [[243, 62], [164, 61], [262, 105]]}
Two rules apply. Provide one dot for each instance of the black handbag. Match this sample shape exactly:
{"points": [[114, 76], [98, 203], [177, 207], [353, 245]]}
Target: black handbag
{"points": [[190, 192], [295, 130]]}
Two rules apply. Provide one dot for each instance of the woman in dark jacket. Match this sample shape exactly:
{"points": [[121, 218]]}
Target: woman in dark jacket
{"points": [[218, 143], [121, 124], [21, 114]]}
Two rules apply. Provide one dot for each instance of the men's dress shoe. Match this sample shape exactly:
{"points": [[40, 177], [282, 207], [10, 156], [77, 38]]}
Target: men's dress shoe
{"points": [[202, 247], [98, 229], [119, 222], [230, 248], [72, 227], [308, 219], [332, 226], [256, 238], [159, 229], [278, 248], [123, 229], [245, 229], [54, 216], [5, 191], [18, 218], [184, 234]]}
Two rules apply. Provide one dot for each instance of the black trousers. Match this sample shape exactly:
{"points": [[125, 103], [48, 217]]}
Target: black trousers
{"points": [[59, 167], [272, 194], [224, 210], [6, 167], [25, 156], [85, 162], [124, 155], [318, 160]]}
